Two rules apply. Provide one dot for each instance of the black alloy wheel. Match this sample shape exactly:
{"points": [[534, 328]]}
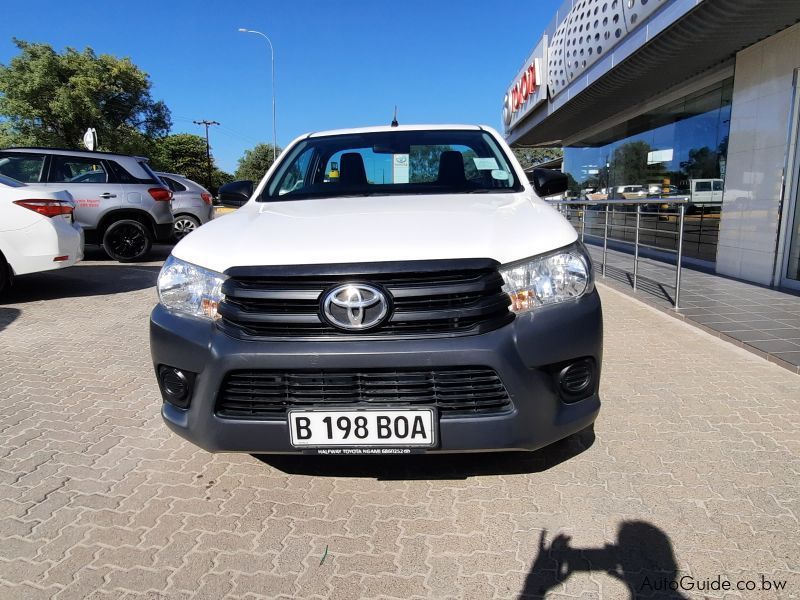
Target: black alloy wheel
{"points": [[127, 241]]}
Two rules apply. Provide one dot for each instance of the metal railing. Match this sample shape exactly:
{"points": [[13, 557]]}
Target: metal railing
{"points": [[649, 207]]}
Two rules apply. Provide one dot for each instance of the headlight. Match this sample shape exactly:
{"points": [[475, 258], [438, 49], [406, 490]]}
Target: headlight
{"points": [[547, 279], [190, 289]]}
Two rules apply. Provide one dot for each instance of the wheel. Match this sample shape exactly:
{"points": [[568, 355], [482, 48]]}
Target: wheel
{"points": [[184, 225], [127, 240], [5, 275]]}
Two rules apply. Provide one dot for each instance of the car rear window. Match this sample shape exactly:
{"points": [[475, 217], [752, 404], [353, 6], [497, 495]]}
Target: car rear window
{"points": [[173, 184], [72, 169], [22, 166], [9, 182], [143, 175], [146, 168]]}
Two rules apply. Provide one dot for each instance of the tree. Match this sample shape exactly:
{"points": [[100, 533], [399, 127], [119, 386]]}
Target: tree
{"points": [[183, 153], [255, 162], [703, 163], [529, 156], [47, 98], [424, 162], [629, 164], [218, 179]]}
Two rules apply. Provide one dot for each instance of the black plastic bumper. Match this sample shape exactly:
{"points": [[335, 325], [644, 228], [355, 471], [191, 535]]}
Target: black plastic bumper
{"points": [[523, 353], [163, 232]]}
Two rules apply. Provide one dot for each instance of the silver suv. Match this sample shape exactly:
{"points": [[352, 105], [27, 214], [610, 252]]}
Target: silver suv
{"points": [[192, 204], [120, 203]]}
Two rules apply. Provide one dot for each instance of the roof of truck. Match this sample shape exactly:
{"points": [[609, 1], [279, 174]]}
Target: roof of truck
{"points": [[386, 128]]}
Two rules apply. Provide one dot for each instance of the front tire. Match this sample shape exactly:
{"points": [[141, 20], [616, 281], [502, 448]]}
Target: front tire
{"points": [[184, 225], [5, 275], [127, 240]]}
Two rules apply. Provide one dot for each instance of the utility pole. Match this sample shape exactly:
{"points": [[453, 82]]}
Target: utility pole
{"points": [[208, 150]]}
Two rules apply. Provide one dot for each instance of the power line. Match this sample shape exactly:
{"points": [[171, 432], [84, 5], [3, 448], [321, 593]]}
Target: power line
{"points": [[207, 124]]}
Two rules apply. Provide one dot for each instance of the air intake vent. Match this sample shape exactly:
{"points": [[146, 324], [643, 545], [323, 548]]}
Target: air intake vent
{"points": [[458, 391]]}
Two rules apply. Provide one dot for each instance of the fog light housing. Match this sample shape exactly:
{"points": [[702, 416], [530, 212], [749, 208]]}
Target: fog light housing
{"points": [[176, 385], [576, 380]]}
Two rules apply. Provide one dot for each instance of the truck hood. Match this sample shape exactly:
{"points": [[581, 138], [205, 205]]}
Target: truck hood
{"points": [[504, 226]]}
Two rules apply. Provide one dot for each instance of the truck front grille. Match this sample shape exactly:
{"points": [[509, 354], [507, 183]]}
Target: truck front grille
{"points": [[428, 298], [455, 391]]}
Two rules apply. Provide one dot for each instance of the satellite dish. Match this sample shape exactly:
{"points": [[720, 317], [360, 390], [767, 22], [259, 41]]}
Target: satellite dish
{"points": [[90, 139]]}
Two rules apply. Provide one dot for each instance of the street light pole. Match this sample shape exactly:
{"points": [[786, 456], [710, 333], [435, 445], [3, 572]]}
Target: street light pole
{"points": [[272, 52], [208, 150]]}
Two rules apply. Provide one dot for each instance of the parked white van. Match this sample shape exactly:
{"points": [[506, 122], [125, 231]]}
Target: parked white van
{"points": [[705, 192]]}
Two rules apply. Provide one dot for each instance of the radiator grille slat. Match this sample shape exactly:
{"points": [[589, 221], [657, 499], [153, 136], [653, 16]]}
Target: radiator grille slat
{"points": [[455, 391], [426, 300]]}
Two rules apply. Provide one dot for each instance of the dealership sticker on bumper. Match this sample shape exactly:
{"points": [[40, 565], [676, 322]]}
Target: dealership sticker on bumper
{"points": [[414, 427]]}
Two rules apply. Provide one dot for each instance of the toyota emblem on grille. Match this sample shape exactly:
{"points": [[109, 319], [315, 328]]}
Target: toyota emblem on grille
{"points": [[355, 306]]}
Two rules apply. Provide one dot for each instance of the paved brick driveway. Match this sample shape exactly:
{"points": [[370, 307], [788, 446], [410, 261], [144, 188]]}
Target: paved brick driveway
{"points": [[694, 471]]}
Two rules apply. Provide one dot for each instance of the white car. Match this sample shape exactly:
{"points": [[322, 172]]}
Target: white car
{"points": [[424, 300], [37, 232]]}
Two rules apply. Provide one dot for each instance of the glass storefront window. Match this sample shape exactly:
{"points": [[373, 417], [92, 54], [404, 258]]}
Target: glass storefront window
{"points": [[677, 150]]}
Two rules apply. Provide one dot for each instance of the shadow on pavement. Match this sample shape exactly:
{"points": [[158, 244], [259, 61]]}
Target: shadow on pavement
{"points": [[80, 281], [642, 558], [8, 316], [644, 284], [433, 466], [93, 253]]}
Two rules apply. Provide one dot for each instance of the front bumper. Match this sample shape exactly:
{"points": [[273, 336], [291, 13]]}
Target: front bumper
{"points": [[521, 353]]}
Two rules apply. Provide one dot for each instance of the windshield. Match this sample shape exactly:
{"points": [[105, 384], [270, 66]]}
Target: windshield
{"points": [[394, 162]]}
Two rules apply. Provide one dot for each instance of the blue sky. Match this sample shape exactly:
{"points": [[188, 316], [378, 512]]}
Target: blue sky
{"points": [[338, 64]]}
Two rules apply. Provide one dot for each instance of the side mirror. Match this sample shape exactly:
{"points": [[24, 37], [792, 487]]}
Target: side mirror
{"points": [[548, 182], [235, 193]]}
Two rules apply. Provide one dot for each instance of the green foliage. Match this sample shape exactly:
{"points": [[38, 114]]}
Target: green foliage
{"points": [[218, 179], [529, 156], [629, 164], [573, 187], [47, 98], [255, 162], [424, 163], [703, 163], [185, 154], [182, 153]]}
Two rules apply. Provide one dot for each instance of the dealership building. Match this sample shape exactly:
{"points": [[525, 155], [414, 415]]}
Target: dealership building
{"points": [[684, 98]]}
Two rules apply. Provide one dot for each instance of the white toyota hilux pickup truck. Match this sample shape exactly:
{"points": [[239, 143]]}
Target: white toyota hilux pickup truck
{"points": [[384, 290]]}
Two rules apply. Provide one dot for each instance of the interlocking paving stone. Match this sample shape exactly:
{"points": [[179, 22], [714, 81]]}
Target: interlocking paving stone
{"points": [[737, 311], [692, 470]]}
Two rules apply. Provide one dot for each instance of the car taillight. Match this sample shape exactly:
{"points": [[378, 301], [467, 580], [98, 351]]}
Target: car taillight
{"points": [[46, 208], [160, 194], [207, 198]]}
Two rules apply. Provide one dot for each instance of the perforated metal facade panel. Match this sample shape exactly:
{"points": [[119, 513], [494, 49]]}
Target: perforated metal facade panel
{"points": [[591, 28], [588, 32], [663, 43], [637, 11]]}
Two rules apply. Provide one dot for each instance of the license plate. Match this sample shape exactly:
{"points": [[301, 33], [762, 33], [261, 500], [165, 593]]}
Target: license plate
{"points": [[412, 427]]}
